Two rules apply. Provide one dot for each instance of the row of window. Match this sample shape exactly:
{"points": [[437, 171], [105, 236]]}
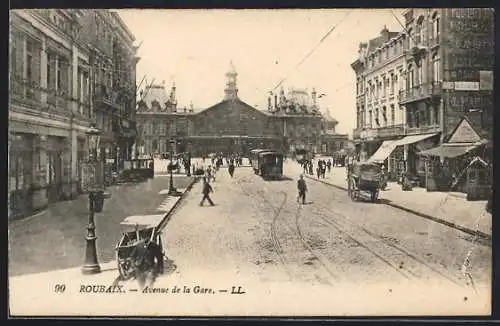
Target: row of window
{"points": [[415, 75], [381, 87], [26, 65], [414, 118], [379, 119], [415, 36], [389, 51]]}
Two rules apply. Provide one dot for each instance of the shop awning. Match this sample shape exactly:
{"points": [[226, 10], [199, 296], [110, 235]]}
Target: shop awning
{"points": [[449, 150], [383, 151], [414, 139]]}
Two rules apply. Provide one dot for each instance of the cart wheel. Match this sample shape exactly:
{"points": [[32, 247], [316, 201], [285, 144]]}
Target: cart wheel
{"points": [[354, 191], [125, 269]]}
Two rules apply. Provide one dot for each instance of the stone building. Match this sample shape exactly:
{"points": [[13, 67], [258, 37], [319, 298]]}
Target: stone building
{"points": [[113, 58], [379, 76], [230, 125], [448, 63], [50, 106]]}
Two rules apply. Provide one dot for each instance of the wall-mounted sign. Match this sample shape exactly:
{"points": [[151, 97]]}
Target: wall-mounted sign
{"points": [[486, 80], [464, 134], [448, 85], [466, 86]]}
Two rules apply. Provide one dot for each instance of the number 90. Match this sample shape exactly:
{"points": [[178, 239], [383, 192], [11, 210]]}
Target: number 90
{"points": [[59, 288]]}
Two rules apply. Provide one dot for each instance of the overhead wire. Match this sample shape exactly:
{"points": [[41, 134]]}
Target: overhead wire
{"points": [[403, 26], [312, 50]]}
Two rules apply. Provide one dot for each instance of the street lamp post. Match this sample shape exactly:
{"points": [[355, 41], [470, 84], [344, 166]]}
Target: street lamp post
{"points": [[91, 265], [171, 190]]}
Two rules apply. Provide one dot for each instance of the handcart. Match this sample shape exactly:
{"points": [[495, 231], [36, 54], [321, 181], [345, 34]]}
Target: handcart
{"points": [[140, 250]]}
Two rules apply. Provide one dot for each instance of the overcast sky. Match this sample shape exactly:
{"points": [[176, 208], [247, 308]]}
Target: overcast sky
{"points": [[194, 48]]}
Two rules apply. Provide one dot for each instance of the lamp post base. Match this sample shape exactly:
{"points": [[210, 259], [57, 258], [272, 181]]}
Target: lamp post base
{"points": [[91, 269], [174, 192]]}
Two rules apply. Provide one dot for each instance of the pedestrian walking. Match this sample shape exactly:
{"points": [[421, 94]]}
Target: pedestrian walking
{"points": [[231, 169], [302, 188], [329, 165], [207, 189]]}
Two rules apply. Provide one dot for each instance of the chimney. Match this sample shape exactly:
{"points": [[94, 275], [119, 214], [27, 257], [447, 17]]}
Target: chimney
{"points": [[385, 33]]}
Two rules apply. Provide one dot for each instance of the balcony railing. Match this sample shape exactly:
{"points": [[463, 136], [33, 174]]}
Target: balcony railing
{"points": [[27, 92], [434, 41], [390, 131], [106, 95], [412, 130], [420, 92]]}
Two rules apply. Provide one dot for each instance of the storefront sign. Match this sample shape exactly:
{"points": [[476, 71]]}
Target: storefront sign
{"points": [[448, 85], [486, 80], [466, 86], [464, 99]]}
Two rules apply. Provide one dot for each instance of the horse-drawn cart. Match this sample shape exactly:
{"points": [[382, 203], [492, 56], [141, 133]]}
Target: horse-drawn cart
{"points": [[141, 250], [364, 177]]}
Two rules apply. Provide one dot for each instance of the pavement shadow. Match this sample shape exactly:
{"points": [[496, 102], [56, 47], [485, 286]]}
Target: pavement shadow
{"points": [[283, 178]]}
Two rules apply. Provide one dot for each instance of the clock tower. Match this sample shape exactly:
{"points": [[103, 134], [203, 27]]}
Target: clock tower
{"points": [[231, 91]]}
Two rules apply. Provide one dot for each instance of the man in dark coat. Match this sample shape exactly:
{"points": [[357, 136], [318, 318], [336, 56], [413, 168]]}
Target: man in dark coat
{"points": [[207, 189], [231, 168], [302, 187]]}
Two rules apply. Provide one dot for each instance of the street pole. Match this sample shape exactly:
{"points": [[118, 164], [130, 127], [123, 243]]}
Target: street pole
{"points": [[91, 265], [171, 189]]}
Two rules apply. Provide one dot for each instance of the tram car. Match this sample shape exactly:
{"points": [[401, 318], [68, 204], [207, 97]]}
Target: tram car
{"points": [[254, 158], [270, 165]]}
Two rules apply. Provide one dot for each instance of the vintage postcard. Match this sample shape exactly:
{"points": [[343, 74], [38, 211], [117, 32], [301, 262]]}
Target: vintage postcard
{"points": [[333, 162]]}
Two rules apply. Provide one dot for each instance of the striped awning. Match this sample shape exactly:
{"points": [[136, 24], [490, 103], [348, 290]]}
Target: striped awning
{"points": [[383, 151]]}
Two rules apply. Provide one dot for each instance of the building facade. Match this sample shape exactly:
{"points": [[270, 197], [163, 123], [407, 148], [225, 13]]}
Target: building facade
{"points": [[448, 63], [50, 107], [232, 125], [379, 75], [113, 58]]}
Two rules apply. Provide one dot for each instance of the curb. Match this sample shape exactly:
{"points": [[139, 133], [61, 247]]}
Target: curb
{"points": [[168, 215], [429, 217]]}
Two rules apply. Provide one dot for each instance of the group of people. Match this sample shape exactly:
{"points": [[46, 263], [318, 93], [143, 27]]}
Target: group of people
{"points": [[321, 168], [232, 162]]}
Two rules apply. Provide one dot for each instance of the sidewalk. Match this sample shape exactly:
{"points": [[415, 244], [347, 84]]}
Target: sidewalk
{"points": [[55, 239], [451, 209]]}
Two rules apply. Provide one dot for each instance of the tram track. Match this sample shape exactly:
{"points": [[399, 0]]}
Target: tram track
{"points": [[402, 268], [296, 234], [278, 249], [298, 231]]}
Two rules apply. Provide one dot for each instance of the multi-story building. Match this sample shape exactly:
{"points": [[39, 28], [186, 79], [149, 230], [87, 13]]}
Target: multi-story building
{"points": [[49, 107], [448, 62], [54, 96], [379, 75], [232, 125], [113, 59], [447, 52]]}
